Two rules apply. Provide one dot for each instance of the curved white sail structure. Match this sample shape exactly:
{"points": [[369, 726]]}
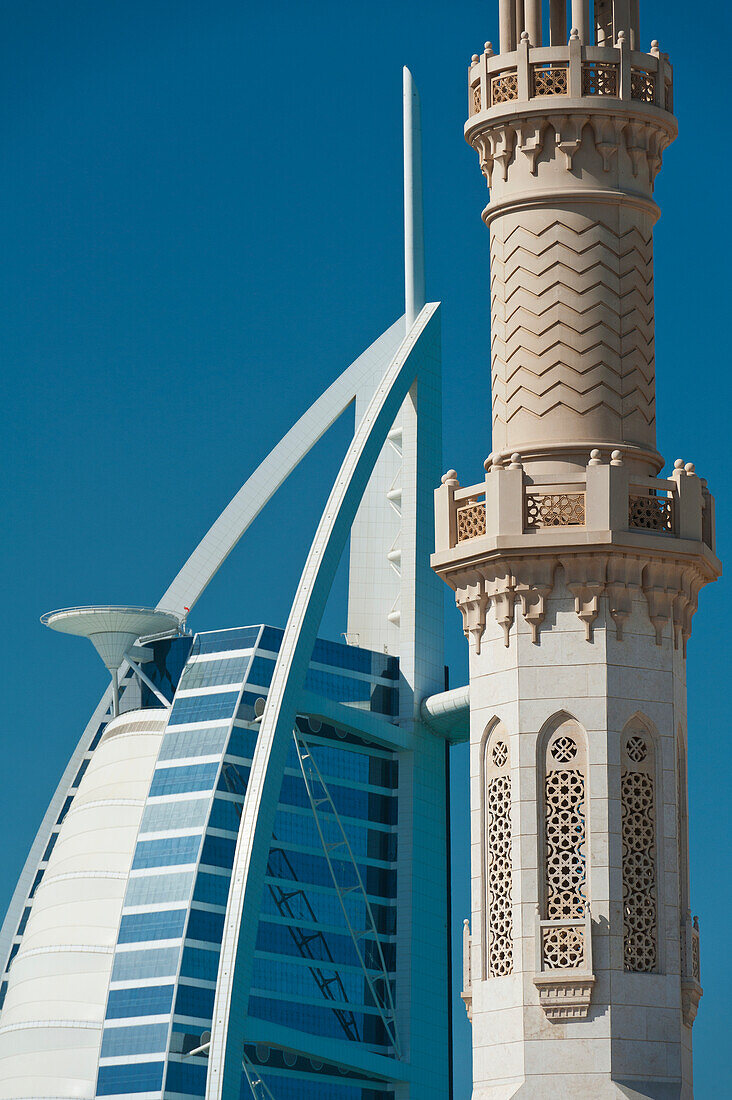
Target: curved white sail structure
{"points": [[382, 499]]}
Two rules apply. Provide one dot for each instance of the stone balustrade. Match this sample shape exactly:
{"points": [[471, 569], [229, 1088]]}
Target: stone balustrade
{"points": [[574, 71], [606, 497]]}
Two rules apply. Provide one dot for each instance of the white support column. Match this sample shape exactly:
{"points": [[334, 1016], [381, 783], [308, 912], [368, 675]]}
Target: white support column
{"points": [[520, 21], [558, 23], [581, 20], [533, 21], [505, 26], [635, 24]]}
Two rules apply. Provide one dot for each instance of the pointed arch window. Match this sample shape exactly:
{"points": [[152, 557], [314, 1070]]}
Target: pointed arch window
{"points": [[565, 849], [497, 832], [640, 885]]}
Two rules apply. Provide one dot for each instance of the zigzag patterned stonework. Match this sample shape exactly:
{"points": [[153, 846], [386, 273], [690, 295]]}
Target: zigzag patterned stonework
{"points": [[572, 327]]}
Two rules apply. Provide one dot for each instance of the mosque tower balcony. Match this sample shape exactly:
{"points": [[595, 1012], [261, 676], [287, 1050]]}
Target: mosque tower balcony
{"points": [[570, 137]]}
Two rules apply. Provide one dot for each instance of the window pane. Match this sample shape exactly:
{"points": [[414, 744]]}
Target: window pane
{"points": [[151, 1000]]}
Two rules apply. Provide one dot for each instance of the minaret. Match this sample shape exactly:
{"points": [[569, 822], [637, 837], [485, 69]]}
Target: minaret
{"points": [[577, 569]]}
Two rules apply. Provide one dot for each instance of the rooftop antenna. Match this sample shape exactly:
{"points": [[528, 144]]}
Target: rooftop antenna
{"points": [[414, 285]]}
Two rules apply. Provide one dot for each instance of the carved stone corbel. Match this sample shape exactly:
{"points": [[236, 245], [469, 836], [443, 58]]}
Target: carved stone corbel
{"points": [[482, 146], [585, 574], [499, 587], [472, 602], [624, 574], [534, 581], [531, 140], [502, 147], [607, 139], [692, 583], [660, 587], [568, 131], [636, 139]]}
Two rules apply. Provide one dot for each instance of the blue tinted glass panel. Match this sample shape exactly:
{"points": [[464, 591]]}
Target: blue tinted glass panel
{"points": [[261, 671], [80, 773], [157, 962], [242, 743], [174, 815], [210, 673], [271, 639], [203, 708], [49, 847], [218, 851], [166, 852], [149, 889], [189, 777], [225, 814], [318, 1021], [121, 1080], [194, 1001], [151, 1000], [197, 963], [330, 947], [203, 742], [97, 737], [65, 809], [152, 926], [218, 641], [143, 1039], [170, 655], [190, 1079], [213, 889], [206, 926]]}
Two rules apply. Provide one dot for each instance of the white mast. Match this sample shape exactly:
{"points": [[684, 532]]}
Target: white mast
{"points": [[414, 287]]}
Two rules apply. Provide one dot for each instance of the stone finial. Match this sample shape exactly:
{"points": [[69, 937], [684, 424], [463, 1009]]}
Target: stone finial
{"points": [[690, 469], [654, 48], [451, 479], [621, 38], [595, 458], [616, 458], [574, 35], [489, 49], [515, 463], [474, 59], [525, 37], [679, 464]]}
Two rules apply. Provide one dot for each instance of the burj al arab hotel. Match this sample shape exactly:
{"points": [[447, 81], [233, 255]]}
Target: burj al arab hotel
{"points": [[240, 887]]}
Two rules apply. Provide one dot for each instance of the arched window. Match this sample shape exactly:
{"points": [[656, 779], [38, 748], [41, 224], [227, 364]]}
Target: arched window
{"points": [[565, 848], [640, 890], [497, 833]]}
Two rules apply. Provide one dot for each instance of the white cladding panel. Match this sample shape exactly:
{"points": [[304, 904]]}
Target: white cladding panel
{"points": [[52, 1019]]}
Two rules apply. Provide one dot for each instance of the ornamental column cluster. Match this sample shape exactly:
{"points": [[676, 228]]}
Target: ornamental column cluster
{"points": [[576, 567]]}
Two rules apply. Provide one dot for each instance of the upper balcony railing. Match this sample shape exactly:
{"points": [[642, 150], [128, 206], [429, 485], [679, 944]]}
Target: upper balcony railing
{"points": [[573, 71], [606, 497]]}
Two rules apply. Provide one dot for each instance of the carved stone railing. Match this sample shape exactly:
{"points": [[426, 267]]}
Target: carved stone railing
{"points": [[554, 510], [564, 976], [575, 71], [605, 497], [471, 520], [651, 511]]}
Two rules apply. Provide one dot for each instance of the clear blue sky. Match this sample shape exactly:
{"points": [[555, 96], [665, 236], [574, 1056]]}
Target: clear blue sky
{"points": [[201, 225]]}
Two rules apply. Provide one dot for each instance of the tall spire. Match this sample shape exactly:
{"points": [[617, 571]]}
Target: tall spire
{"points": [[414, 286]]}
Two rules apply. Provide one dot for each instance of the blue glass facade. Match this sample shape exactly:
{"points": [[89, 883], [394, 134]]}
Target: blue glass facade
{"points": [[326, 946]]}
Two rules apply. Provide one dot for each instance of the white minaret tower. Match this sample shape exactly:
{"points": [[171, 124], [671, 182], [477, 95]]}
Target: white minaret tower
{"points": [[577, 570]]}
